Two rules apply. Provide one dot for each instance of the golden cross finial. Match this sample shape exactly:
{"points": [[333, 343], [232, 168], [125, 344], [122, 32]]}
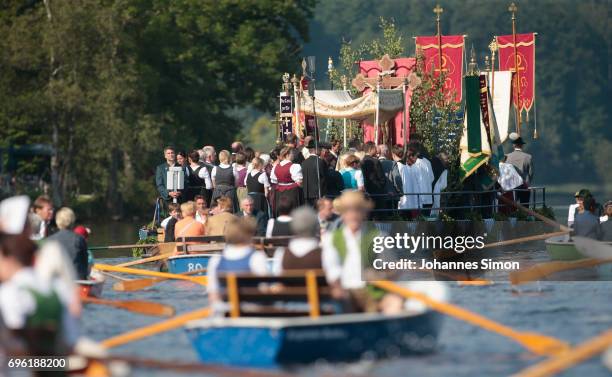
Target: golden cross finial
{"points": [[512, 9], [493, 46], [438, 10]]}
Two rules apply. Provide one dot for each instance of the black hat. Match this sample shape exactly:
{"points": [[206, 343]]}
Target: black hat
{"points": [[311, 144], [518, 141]]}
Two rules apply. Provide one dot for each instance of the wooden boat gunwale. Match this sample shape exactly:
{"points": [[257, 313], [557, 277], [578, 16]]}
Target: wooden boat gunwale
{"points": [[302, 321]]}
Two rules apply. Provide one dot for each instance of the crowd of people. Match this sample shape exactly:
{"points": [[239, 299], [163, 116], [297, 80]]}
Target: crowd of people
{"points": [[268, 186]]}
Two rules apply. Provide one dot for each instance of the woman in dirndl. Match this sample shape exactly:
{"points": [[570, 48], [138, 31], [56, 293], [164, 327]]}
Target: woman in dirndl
{"points": [[240, 167], [288, 177], [258, 185], [224, 180]]}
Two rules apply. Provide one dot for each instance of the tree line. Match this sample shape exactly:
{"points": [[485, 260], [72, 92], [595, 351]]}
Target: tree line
{"points": [[573, 67], [107, 83]]}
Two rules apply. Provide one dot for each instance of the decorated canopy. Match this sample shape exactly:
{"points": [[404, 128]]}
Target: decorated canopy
{"points": [[338, 104]]}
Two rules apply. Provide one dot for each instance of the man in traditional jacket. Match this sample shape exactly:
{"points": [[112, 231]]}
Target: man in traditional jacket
{"points": [[161, 174], [314, 183], [523, 163]]}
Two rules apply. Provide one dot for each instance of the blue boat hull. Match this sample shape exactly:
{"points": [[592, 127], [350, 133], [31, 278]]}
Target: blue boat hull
{"points": [[280, 342], [186, 263]]}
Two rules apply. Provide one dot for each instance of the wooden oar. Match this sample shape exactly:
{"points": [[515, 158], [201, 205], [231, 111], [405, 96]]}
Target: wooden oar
{"points": [[137, 306], [156, 328], [144, 260], [114, 276], [113, 247], [138, 284], [543, 218], [542, 270], [567, 359], [525, 239], [534, 342], [136, 271]]}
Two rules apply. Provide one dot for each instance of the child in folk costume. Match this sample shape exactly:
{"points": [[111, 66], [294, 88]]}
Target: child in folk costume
{"points": [[258, 185], [288, 177]]}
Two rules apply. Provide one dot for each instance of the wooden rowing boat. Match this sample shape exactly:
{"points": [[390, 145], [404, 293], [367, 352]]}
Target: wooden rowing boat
{"points": [[280, 342], [280, 321], [561, 248], [180, 264], [91, 287]]}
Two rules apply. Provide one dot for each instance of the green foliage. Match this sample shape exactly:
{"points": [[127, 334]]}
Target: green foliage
{"points": [[546, 212], [433, 116], [109, 83], [138, 252], [391, 43], [262, 134]]}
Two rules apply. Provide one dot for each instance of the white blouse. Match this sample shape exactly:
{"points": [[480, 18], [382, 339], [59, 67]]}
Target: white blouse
{"points": [[295, 170]]}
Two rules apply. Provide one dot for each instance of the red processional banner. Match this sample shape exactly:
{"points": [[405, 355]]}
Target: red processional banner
{"points": [[525, 60], [452, 60], [403, 68]]}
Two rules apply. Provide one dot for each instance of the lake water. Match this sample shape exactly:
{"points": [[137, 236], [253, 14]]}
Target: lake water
{"points": [[571, 311]]}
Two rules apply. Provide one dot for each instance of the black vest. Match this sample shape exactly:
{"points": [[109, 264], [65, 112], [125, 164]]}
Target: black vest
{"points": [[281, 228], [194, 178], [253, 184], [225, 176]]}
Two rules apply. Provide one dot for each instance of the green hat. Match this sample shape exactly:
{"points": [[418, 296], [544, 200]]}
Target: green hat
{"points": [[584, 193]]}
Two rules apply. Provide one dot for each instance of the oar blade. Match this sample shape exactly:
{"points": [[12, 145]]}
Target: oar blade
{"points": [[147, 308], [543, 345], [135, 285]]}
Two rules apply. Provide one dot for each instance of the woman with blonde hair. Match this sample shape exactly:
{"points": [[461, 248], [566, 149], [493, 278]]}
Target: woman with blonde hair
{"points": [[258, 185], [188, 226], [352, 176], [342, 161], [224, 177]]}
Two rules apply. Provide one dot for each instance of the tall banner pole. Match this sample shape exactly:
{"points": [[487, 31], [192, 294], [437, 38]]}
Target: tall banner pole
{"points": [[343, 79], [513, 8], [493, 49], [377, 110], [438, 10]]}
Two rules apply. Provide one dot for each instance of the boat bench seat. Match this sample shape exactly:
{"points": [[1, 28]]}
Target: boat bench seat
{"points": [[295, 293], [201, 244]]}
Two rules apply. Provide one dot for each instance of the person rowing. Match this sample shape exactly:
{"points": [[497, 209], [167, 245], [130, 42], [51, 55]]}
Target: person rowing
{"points": [[238, 256], [345, 250], [586, 224], [577, 207], [303, 251]]}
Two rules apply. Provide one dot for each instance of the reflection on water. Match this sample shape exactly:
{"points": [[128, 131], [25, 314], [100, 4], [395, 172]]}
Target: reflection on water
{"points": [[105, 233]]}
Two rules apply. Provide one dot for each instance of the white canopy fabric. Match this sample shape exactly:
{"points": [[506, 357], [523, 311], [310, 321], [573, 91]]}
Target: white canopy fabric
{"points": [[338, 104]]}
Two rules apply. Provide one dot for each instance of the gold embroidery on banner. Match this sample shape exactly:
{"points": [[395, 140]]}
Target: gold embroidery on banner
{"points": [[434, 45], [523, 44]]}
